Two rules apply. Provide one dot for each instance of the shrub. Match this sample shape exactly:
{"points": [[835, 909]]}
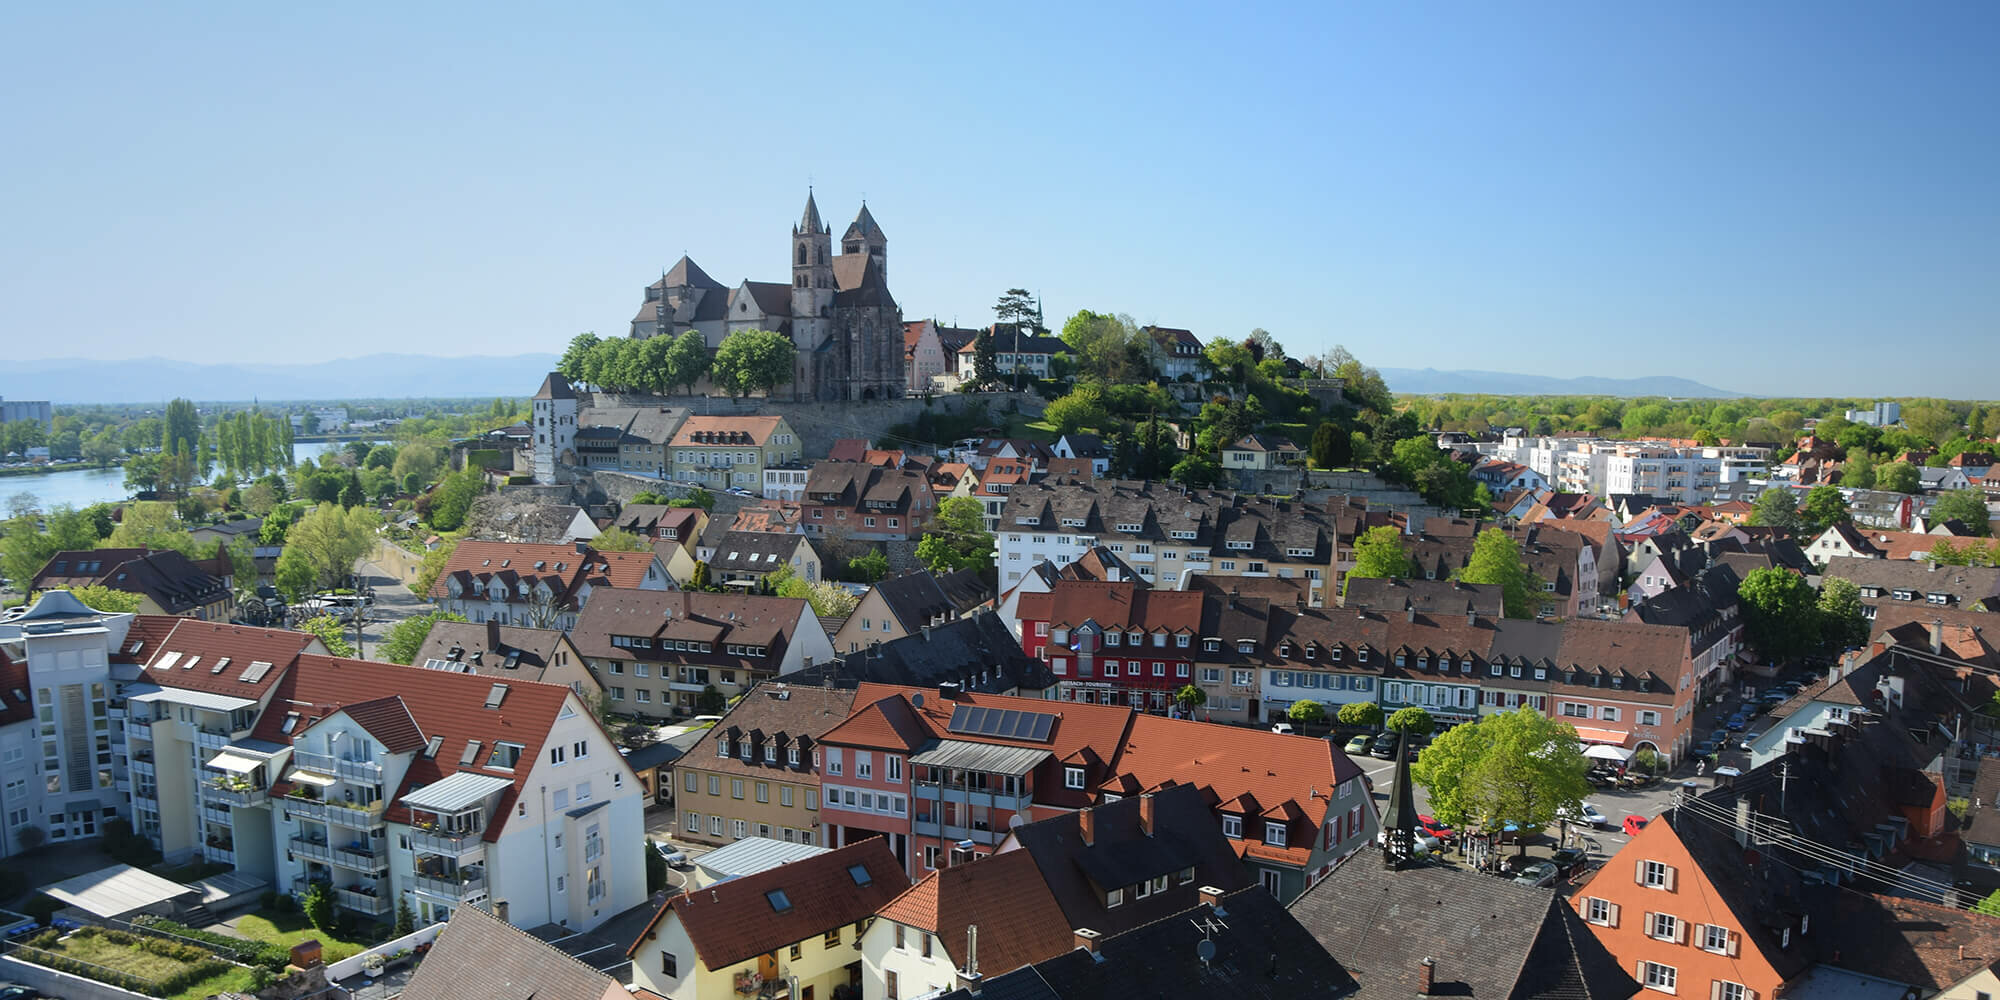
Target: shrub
{"points": [[45, 939]]}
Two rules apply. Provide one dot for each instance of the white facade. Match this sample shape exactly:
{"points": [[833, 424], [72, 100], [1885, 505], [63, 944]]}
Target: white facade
{"points": [[923, 965], [555, 433], [57, 770]]}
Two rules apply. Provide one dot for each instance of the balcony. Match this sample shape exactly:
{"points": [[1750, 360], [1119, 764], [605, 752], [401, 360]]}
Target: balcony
{"points": [[924, 826], [365, 817], [370, 904], [361, 860], [365, 771], [209, 739], [144, 765], [311, 850], [966, 795], [236, 795], [219, 855], [304, 808], [141, 729], [217, 814], [115, 711], [446, 844], [463, 887]]}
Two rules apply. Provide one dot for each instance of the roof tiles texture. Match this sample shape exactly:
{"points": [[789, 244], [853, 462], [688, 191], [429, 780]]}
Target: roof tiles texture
{"points": [[1001, 894], [740, 919]]}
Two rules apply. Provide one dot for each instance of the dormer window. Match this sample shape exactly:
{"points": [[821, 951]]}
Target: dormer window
{"points": [[1399, 658], [1232, 826], [1274, 834], [1361, 655], [1334, 654], [1246, 646]]}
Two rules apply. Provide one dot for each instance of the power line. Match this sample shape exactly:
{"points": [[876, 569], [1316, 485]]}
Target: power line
{"points": [[1774, 835]]}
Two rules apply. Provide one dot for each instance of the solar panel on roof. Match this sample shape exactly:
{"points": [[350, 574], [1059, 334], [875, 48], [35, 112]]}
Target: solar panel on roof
{"points": [[1043, 723], [1004, 725]]}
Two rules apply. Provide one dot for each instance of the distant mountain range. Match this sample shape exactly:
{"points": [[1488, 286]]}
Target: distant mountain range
{"points": [[375, 376], [1426, 381]]}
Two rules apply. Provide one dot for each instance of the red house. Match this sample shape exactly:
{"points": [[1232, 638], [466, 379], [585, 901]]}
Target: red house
{"points": [[1114, 642]]}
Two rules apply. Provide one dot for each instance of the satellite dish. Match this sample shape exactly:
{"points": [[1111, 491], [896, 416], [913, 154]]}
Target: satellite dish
{"points": [[917, 700], [1205, 950]]}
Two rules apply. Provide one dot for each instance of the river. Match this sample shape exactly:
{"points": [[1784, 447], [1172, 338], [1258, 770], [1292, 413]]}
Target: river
{"points": [[83, 487]]}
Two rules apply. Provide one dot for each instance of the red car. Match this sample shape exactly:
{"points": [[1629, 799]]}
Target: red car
{"points": [[1434, 828], [1633, 824]]}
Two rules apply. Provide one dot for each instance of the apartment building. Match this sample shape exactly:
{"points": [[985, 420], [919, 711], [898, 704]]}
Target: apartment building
{"points": [[657, 652], [731, 452], [505, 652], [919, 943], [538, 586], [166, 582], [756, 772], [903, 605], [1114, 642], [629, 439], [867, 501], [1165, 533]]}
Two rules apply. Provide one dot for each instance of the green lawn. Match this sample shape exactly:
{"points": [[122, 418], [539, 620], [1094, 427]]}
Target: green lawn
{"points": [[289, 929], [99, 950], [236, 980]]}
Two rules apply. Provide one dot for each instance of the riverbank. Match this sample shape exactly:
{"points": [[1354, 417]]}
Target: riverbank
{"points": [[42, 470]]}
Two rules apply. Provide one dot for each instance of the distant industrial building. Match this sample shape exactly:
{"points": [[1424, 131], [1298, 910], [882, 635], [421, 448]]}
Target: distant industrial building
{"points": [[27, 409]]}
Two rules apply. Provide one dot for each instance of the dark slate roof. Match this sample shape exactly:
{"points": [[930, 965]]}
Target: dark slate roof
{"points": [[1490, 937], [171, 579], [1426, 596], [1120, 855], [480, 955], [1260, 952], [977, 652], [754, 551], [861, 282], [555, 387], [655, 755], [686, 273], [773, 297], [923, 597]]}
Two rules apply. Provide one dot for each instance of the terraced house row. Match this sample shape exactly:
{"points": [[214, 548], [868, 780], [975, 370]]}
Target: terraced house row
{"points": [[386, 784]]}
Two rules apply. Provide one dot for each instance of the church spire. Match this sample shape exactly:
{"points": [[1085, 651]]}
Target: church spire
{"points": [[1399, 821], [809, 222]]}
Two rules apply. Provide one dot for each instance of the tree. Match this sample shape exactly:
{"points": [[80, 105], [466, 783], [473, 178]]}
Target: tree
{"points": [[1780, 615], [330, 633], [180, 429], [572, 364], [1496, 559], [1948, 551], [1197, 470], [1360, 714], [453, 498], [101, 449], [101, 598], [985, 361], [317, 904], [1413, 722], [1190, 698], [1017, 306], [421, 459], [1521, 767], [406, 921], [1776, 507], [1379, 554], [407, 637], [1824, 507], [957, 538], [322, 548], [1306, 712], [151, 525], [656, 867], [687, 360], [1331, 447], [1899, 477], [699, 581], [698, 497], [1966, 505], [1083, 407], [869, 567], [753, 361], [710, 701], [1841, 620], [620, 540]]}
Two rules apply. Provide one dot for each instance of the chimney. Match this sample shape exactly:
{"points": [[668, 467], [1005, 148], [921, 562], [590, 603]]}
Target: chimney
{"points": [[1211, 897], [927, 632], [971, 970], [500, 909], [1085, 824], [1087, 939], [1427, 977], [1146, 814], [1743, 821], [1937, 636]]}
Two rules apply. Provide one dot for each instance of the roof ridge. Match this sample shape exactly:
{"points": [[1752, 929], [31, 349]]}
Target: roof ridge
{"points": [[572, 959]]}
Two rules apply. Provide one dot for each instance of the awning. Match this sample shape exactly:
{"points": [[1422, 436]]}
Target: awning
{"points": [[1611, 736], [987, 758], [198, 699], [1601, 751], [309, 778], [459, 791], [226, 761]]}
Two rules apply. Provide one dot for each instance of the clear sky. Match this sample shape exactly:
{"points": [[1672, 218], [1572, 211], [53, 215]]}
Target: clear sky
{"points": [[1773, 197]]}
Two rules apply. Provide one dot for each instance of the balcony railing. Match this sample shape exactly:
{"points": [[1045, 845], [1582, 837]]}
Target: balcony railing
{"points": [[925, 826], [311, 851], [143, 767], [217, 814], [306, 808], [365, 817], [139, 728], [454, 887], [361, 902], [209, 739], [364, 861], [1011, 801], [235, 796], [365, 771], [447, 844], [219, 855]]}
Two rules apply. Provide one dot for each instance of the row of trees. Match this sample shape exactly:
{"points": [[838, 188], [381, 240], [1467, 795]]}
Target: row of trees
{"points": [[746, 361], [1496, 559], [1926, 422]]}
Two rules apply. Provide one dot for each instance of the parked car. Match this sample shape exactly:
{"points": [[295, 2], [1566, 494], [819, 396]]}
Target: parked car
{"points": [[1568, 860], [1703, 749], [1586, 814], [1282, 727], [1539, 875], [1634, 824], [1384, 746], [1738, 721], [1749, 738], [9, 991], [675, 859], [1358, 744], [1430, 825]]}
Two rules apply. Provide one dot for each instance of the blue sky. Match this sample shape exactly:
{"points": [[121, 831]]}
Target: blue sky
{"points": [[1795, 198]]}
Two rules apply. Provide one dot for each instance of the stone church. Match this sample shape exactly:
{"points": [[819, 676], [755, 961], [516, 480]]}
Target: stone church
{"points": [[837, 310]]}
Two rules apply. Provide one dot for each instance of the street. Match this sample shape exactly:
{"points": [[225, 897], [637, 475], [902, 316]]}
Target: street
{"points": [[393, 603]]}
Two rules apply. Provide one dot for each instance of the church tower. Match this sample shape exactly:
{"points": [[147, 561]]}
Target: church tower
{"points": [[813, 289], [864, 236]]}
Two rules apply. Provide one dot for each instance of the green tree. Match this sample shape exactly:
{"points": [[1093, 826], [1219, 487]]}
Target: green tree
{"points": [[869, 567], [1496, 559], [407, 637], [687, 360], [1841, 620], [1378, 555], [1306, 712], [1521, 767], [656, 867], [317, 904], [1197, 470], [181, 428], [1083, 407], [330, 633], [710, 701], [433, 565], [151, 525], [27, 542], [1967, 505], [322, 548], [957, 538], [1360, 714], [1413, 722], [100, 598], [1331, 448], [421, 459], [101, 449], [753, 361], [1190, 698], [1899, 477], [985, 361], [1780, 615], [453, 499], [572, 364], [382, 456], [406, 921], [1017, 306], [1824, 508], [699, 581], [1776, 507], [620, 540]]}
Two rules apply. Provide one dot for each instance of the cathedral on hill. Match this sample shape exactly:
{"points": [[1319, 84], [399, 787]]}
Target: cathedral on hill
{"points": [[837, 310]]}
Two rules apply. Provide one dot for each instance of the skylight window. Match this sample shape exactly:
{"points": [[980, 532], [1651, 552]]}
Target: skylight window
{"points": [[860, 874], [167, 660], [220, 666], [471, 753], [431, 749], [779, 902], [495, 696]]}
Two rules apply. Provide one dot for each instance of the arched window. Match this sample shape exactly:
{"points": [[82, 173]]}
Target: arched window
{"points": [[802, 253]]}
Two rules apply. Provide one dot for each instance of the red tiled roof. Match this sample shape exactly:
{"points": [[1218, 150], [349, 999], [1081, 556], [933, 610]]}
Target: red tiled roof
{"points": [[188, 657], [847, 450], [1101, 729], [1123, 604], [440, 704], [1275, 772], [1003, 895], [142, 638], [737, 920], [758, 430], [561, 566], [388, 720], [888, 723]]}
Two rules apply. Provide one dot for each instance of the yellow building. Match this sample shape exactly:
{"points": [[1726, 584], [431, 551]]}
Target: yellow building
{"points": [[724, 452]]}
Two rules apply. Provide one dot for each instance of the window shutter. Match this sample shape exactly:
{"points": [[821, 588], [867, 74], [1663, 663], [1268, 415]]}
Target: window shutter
{"points": [[1639, 872], [1734, 940], [1680, 932], [1613, 915], [1715, 989], [1672, 875]]}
